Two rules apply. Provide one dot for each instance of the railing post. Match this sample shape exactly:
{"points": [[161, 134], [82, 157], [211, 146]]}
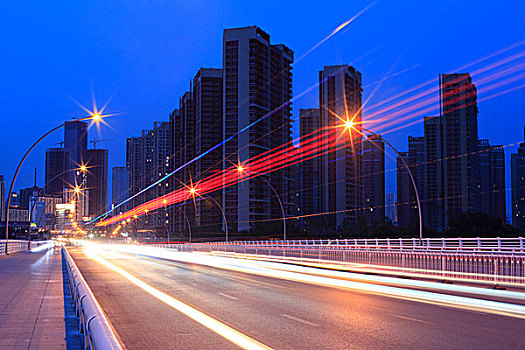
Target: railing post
{"points": [[521, 244], [499, 243]]}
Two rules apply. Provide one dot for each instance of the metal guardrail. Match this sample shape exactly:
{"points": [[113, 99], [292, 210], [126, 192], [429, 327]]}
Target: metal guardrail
{"points": [[478, 244], [14, 246], [498, 267], [95, 330]]}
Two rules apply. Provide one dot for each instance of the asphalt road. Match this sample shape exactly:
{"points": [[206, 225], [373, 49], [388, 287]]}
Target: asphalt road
{"points": [[278, 313]]}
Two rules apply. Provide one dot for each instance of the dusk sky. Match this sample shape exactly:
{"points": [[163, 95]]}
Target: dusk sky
{"points": [[142, 55]]}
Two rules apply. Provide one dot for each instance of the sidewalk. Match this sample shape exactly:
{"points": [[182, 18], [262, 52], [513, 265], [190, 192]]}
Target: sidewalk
{"points": [[35, 309]]}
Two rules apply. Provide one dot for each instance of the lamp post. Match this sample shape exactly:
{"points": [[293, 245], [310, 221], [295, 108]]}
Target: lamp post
{"points": [[193, 192], [187, 220], [95, 117], [351, 125], [240, 169]]}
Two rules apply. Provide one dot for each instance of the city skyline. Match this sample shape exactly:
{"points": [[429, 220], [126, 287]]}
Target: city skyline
{"points": [[262, 175], [402, 69]]}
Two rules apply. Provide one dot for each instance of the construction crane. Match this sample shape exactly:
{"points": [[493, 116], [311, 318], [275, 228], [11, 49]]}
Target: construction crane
{"points": [[94, 142]]}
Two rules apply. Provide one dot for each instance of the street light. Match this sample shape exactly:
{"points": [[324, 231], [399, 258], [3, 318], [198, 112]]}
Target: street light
{"points": [[193, 192], [240, 169], [96, 117], [349, 124]]}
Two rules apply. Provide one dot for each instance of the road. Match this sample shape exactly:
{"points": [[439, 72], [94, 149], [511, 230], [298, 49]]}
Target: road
{"points": [[278, 313]]}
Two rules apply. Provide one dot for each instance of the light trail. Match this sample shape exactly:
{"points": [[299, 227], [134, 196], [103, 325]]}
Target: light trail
{"points": [[415, 109], [228, 177], [228, 333], [335, 31], [245, 266], [356, 271]]}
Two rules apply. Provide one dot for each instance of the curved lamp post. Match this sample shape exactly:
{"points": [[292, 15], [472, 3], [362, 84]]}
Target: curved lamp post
{"points": [[187, 220], [95, 117], [350, 125], [240, 169], [223, 216]]}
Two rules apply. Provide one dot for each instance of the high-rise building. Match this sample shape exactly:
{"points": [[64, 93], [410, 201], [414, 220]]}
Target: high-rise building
{"points": [[390, 206], [207, 121], [75, 142], [459, 143], [133, 164], [257, 83], [374, 179], [433, 196], [451, 145], [26, 193], [403, 191], [417, 164], [96, 180], [309, 172], [2, 198], [415, 159], [57, 171], [491, 164], [119, 187], [518, 187], [341, 190], [148, 161]]}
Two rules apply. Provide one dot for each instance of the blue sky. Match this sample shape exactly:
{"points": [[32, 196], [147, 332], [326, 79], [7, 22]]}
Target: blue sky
{"points": [[142, 54]]}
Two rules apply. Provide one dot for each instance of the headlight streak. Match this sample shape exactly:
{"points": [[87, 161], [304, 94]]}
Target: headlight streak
{"points": [[384, 269], [214, 325], [42, 247], [282, 265], [433, 298]]}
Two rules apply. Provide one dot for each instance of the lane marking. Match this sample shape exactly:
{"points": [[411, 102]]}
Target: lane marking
{"points": [[230, 334], [228, 296], [409, 318], [165, 274], [300, 320], [421, 296]]}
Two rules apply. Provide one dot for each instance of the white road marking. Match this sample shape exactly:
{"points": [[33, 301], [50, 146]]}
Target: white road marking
{"points": [[236, 337], [300, 320], [228, 296], [409, 318], [169, 276]]}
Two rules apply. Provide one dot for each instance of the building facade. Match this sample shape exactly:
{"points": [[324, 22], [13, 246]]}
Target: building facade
{"points": [[119, 187], [96, 180], [491, 164], [374, 180], [57, 171], [309, 172], [341, 189], [257, 90], [460, 144], [518, 187]]}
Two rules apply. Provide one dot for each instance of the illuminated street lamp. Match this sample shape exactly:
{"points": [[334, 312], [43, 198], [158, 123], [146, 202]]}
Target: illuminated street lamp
{"points": [[240, 169], [349, 125], [193, 192], [96, 117]]}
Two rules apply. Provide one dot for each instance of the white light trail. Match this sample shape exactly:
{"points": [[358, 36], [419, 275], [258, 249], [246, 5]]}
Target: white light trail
{"points": [[246, 266], [230, 334]]}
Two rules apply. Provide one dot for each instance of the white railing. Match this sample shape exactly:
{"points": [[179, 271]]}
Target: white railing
{"points": [[503, 264], [496, 244], [16, 245], [95, 330]]}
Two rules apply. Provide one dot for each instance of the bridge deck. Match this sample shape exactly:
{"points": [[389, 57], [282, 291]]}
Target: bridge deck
{"points": [[35, 312]]}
